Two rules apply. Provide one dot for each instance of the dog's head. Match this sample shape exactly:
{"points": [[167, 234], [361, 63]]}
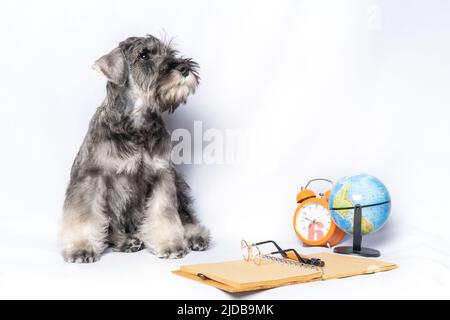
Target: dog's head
{"points": [[150, 71]]}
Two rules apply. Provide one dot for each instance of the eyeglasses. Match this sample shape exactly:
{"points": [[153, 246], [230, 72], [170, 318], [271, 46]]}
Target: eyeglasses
{"points": [[253, 252]]}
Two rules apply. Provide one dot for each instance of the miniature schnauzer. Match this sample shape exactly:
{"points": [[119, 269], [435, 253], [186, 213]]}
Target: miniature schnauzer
{"points": [[124, 191]]}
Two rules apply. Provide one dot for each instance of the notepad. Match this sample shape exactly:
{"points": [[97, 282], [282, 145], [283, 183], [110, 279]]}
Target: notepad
{"points": [[241, 276]]}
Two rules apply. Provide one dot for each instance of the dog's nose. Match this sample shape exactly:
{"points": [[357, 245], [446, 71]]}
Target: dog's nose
{"points": [[183, 69]]}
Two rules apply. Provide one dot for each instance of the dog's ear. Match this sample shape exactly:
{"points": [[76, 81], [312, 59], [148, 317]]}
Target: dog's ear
{"points": [[113, 66]]}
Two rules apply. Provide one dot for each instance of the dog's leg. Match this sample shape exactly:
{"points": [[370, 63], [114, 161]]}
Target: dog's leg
{"points": [[82, 236], [162, 230], [84, 226], [196, 235]]}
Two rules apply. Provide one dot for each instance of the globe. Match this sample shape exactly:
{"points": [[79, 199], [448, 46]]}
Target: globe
{"points": [[365, 190]]}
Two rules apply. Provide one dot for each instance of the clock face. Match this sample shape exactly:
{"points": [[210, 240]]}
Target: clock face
{"points": [[313, 221]]}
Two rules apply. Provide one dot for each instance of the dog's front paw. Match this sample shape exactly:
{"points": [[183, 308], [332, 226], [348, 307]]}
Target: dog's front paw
{"points": [[172, 252], [198, 243], [81, 256], [197, 237]]}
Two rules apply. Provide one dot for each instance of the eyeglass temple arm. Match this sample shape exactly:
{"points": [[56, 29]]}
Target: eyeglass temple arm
{"points": [[313, 261], [283, 253], [280, 251]]}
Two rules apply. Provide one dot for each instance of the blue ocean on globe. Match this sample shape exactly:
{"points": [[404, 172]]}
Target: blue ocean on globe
{"points": [[364, 190]]}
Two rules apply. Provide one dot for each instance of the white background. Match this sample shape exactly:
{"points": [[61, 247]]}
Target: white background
{"points": [[334, 88]]}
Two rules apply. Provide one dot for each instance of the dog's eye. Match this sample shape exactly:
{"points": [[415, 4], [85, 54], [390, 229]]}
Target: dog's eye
{"points": [[144, 55]]}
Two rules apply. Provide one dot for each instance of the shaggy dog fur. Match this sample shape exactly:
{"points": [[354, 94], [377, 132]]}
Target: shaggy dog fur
{"points": [[124, 192]]}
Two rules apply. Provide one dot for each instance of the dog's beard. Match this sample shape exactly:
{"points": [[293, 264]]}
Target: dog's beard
{"points": [[175, 90]]}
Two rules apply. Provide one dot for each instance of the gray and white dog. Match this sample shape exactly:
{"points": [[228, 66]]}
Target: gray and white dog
{"points": [[124, 192]]}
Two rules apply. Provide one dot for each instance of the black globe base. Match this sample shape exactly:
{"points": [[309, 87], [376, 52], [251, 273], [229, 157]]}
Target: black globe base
{"points": [[357, 249], [365, 252]]}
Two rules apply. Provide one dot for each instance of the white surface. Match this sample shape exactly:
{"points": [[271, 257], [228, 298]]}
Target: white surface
{"points": [[332, 88]]}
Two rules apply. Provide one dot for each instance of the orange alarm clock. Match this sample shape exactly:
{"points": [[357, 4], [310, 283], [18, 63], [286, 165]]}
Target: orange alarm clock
{"points": [[312, 220]]}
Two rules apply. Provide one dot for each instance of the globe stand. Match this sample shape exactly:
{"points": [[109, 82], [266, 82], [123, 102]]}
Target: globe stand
{"points": [[357, 249]]}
